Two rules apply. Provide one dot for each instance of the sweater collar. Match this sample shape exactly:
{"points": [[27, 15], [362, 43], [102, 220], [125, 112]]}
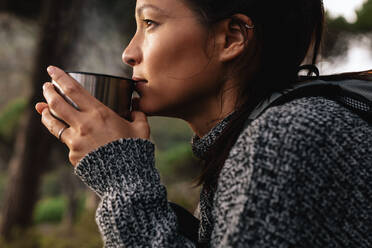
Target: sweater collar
{"points": [[201, 146]]}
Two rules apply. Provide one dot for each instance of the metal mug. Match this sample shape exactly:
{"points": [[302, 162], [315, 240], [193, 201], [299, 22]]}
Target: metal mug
{"points": [[115, 92]]}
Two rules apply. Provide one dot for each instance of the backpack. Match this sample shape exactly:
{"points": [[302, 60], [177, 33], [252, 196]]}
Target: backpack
{"points": [[354, 94]]}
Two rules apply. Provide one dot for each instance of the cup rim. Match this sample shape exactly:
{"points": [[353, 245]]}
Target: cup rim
{"points": [[100, 74]]}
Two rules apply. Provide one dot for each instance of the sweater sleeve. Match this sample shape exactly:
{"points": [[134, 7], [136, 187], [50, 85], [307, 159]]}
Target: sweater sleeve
{"points": [[299, 176], [134, 211]]}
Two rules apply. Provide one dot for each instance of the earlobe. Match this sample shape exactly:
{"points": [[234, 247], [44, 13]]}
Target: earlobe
{"points": [[238, 32]]}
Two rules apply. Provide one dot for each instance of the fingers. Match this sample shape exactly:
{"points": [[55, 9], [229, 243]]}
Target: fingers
{"points": [[58, 106], [140, 124], [71, 89], [54, 126], [138, 116], [40, 107]]}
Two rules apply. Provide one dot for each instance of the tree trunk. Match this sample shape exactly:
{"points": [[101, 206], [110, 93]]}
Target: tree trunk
{"points": [[34, 143], [5, 152]]}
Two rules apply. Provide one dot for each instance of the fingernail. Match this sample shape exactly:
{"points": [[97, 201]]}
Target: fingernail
{"points": [[51, 70], [45, 86]]}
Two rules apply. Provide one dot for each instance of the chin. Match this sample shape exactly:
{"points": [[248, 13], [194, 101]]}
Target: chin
{"points": [[157, 110], [148, 109]]}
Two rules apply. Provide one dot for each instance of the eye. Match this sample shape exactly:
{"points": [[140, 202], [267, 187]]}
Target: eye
{"points": [[149, 23]]}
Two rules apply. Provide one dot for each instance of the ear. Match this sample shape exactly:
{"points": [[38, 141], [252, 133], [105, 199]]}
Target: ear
{"points": [[233, 36]]}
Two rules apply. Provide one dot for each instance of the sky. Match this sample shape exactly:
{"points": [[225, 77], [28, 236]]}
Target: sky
{"points": [[343, 7]]}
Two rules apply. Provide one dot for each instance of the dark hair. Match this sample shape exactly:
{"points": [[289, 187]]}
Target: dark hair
{"points": [[289, 33]]}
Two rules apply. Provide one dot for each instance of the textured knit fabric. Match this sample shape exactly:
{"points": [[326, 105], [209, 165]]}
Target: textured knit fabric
{"points": [[201, 146], [298, 176]]}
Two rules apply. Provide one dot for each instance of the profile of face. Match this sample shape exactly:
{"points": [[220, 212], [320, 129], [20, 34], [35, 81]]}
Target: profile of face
{"points": [[173, 60]]}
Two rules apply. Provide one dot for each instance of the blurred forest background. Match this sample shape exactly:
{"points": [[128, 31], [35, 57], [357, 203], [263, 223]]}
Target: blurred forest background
{"points": [[42, 203]]}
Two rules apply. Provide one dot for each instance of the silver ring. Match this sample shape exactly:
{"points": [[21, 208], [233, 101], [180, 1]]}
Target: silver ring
{"points": [[61, 132]]}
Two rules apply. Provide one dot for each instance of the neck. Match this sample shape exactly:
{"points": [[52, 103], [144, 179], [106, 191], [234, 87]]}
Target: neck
{"points": [[212, 111], [202, 126]]}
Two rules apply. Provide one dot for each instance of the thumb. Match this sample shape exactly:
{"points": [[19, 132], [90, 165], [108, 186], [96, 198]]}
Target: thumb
{"points": [[140, 124], [138, 116]]}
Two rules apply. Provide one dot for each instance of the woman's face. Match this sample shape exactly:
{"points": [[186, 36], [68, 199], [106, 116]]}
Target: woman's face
{"points": [[173, 57]]}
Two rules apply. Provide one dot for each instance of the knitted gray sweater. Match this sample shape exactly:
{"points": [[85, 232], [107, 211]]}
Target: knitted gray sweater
{"points": [[298, 176]]}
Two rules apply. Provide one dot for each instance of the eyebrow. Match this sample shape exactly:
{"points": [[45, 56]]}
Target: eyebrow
{"points": [[149, 6]]}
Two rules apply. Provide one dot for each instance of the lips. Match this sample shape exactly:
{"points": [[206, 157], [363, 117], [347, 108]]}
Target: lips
{"points": [[139, 80]]}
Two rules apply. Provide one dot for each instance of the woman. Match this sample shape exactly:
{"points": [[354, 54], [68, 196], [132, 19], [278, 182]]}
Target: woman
{"points": [[297, 176]]}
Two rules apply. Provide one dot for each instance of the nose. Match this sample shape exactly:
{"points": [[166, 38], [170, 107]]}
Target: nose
{"points": [[132, 54]]}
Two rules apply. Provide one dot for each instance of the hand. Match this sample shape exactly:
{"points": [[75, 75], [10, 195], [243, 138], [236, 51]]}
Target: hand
{"points": [[94, 125]]}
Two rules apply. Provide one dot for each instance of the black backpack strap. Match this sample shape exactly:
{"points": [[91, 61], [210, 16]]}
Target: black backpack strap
{"points": [[353, 94]]}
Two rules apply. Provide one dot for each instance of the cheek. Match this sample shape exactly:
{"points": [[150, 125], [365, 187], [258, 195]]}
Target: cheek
{"points": [[179, 56], [179, 71]]}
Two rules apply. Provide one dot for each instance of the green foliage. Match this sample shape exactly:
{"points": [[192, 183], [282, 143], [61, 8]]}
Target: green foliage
{"points": [[10, 116], [362, 24], [50, 210], [179, 169], [30, 239], [169, 132], [174, 159], [364, 21], [338, 29], [51, 186], [84, 234], [173, 155], [338, 24]]}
